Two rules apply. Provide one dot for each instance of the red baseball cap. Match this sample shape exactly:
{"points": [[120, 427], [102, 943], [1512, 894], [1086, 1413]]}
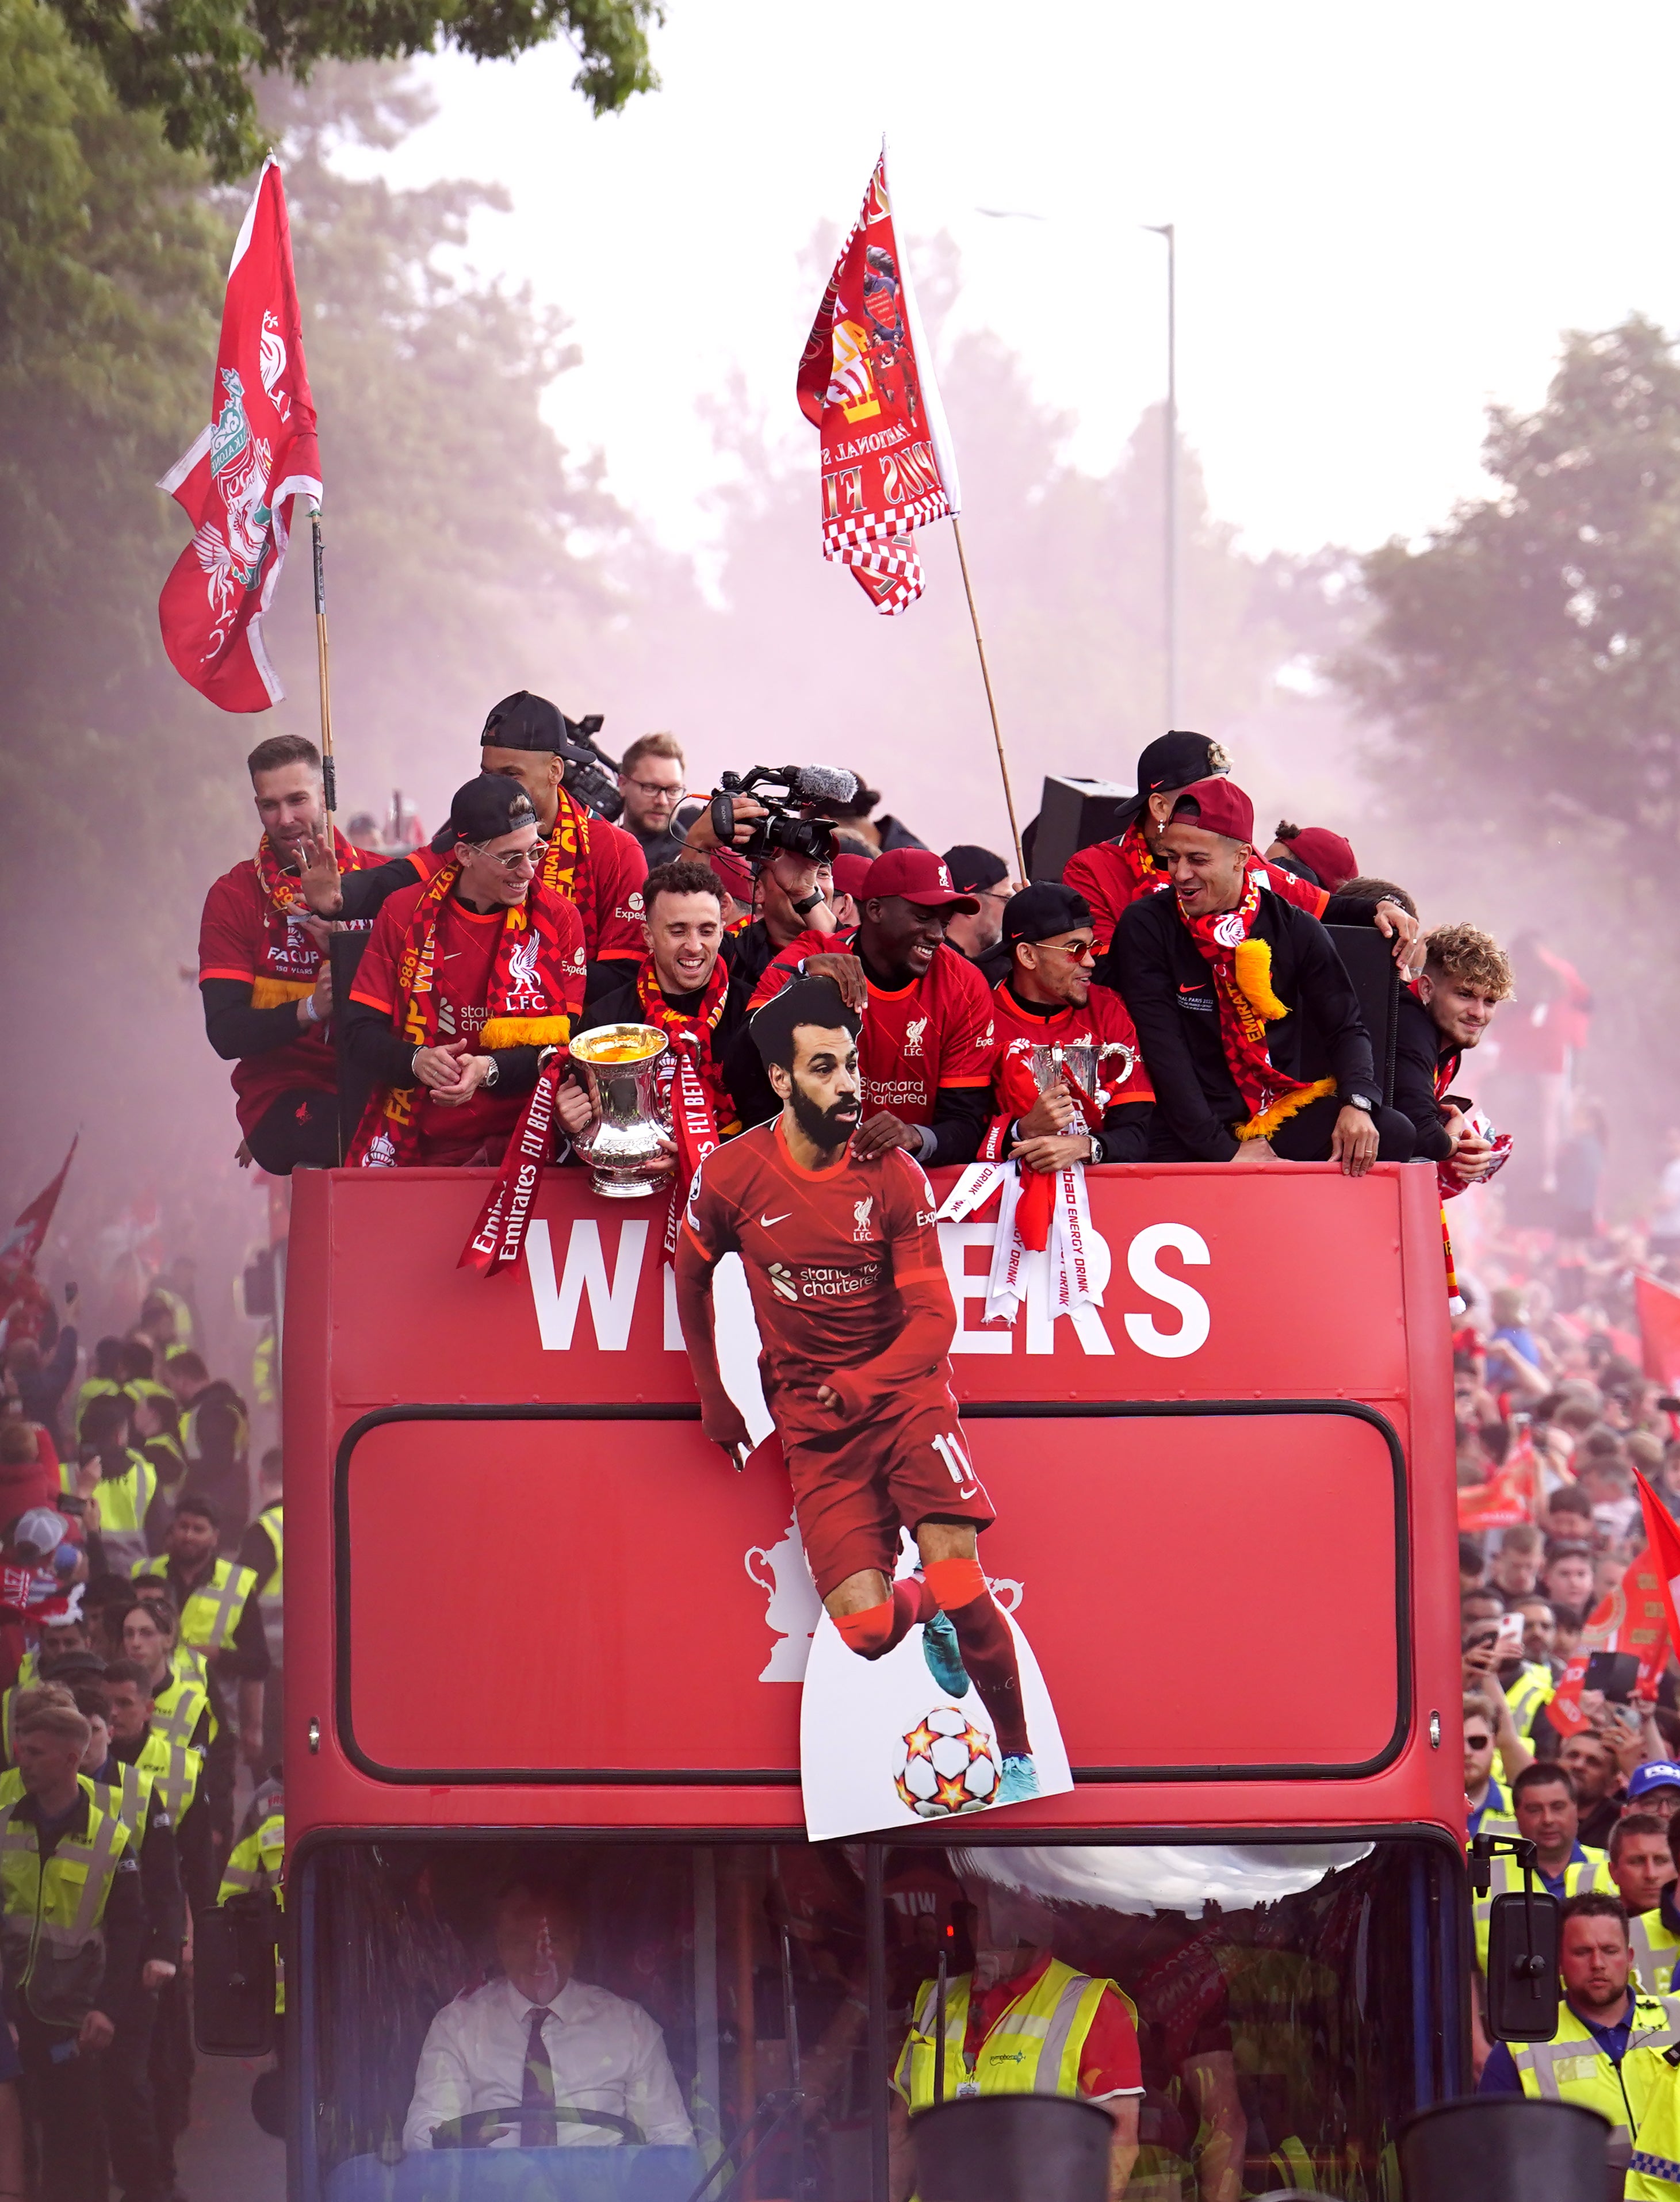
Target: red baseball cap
{"points": [[915, 876], [1221, 808], [850, 872], [1327, 853], [733, 875]]}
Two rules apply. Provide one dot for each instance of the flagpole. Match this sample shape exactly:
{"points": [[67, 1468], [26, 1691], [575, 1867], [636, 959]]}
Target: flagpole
{"points": [[329, 776], [991, 700]]}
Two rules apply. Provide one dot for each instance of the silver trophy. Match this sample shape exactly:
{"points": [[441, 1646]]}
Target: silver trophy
{"points": [[618, 1065], [1082, 1061]]}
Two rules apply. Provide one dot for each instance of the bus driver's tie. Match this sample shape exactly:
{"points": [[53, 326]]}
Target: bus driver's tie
{"points": [[536, 2095]]}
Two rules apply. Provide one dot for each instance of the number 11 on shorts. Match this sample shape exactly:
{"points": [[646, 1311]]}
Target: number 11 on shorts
{"points": [[950, 1450]]}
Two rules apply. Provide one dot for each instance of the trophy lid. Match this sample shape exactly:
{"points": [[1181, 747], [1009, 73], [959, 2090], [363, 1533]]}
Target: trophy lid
{"points": [[618, 1043]]}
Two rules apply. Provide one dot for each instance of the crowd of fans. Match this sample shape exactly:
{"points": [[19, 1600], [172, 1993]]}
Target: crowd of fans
{"points": [[140, 1638]]}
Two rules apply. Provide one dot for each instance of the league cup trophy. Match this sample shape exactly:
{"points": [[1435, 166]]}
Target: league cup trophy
{"points": [[617, 1064], [1080, 1064]]}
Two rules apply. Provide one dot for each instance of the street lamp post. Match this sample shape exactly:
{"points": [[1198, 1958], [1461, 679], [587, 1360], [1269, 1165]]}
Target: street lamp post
{"points": [[1170, 500]]}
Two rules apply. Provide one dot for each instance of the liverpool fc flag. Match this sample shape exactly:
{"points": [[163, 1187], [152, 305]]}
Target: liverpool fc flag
{"points": [[238, 482], [866, 382]]}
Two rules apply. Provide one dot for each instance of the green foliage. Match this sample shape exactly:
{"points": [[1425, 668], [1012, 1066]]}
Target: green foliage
{"points": [[1530, 647], [192, 62]]}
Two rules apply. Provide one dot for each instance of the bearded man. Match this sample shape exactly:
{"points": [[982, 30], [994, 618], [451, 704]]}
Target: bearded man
{"points": [[468, 983], [263, 970]]}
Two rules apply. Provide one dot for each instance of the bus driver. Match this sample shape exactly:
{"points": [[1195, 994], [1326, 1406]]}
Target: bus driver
{"points": [[536, 2058]]}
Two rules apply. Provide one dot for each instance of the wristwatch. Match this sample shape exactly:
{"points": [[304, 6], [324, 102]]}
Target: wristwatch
{"points": [[804, 909], [493, 1073], [1361, 1101]]}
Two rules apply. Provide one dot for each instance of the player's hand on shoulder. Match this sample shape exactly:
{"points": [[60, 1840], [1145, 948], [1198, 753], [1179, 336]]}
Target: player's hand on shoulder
{"points": [[847, 974], [878, 1134]]}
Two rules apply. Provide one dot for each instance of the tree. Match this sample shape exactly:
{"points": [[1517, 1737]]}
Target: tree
{"points": [[192, 62], [1530, 646]]}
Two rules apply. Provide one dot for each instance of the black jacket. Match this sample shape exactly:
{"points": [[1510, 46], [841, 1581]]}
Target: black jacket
{"points": [[1168, 986], [1420, 1050]]}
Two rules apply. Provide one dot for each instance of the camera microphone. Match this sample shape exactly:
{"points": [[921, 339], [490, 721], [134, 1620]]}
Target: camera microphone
{"points": [[819, 783]]}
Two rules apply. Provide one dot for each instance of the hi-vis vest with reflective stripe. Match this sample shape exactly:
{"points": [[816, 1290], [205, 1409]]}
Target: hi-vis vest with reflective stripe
{"points": [[52, 1916], [1571, 2068], [1581, 1875], [129, 1796], [1655, 1950], [1035, 2048], [212, 1611], [272, 1593], [1532, 1689], [1653, 2175], [254, 1866], [121, 1503], [176, 1709], [173, 1769]]}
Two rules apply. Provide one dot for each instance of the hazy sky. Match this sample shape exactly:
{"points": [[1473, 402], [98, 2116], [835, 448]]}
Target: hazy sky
{"points": [[1386, 214]]}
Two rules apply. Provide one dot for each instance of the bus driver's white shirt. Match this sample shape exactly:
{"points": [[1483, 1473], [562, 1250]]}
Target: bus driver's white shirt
{"points": [[607, 2055]]}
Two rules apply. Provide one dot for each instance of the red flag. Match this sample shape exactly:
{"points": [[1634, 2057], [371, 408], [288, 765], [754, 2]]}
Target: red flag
{"points": [[25, 1239], [1637, 1616], [1658, 1306], [866, 381], [238, 482], [1509, 1496]]}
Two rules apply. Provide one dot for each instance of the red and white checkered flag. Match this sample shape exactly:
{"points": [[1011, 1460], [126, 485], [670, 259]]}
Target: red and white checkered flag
{"points": [[866, 382]]}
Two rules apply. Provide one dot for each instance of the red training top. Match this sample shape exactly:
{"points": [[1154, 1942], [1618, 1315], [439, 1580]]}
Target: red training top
{"points": [[935, 1031], [241, 935], [613, 927], [828, 1255]]}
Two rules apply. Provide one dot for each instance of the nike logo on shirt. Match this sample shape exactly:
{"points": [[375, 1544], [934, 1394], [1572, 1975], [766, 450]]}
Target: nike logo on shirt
{"points": [[765, 1221]]}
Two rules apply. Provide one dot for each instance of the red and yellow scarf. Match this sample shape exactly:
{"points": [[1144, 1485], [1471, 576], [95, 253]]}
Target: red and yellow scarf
{"points": [[284, 898], [1143, 874], [702, 1111], [566, 867], [530, 1005], [1241, 969]]}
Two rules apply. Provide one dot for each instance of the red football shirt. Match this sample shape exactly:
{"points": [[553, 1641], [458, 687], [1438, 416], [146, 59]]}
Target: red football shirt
{"points": [[827, 1253], [241, 935], [617, 867], [1106, 884], [1103, 1018], [935, 1031], [466, 943]]}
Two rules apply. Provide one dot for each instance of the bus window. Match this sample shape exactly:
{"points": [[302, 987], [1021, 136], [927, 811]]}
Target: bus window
{"points": [[1274, 2011]]}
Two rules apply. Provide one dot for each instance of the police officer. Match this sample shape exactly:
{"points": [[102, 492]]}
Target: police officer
{"points": [[72, 1926], [219, 1611], [257, 1865], [1542, 1798], [116, 1481], [1603, 2015], [1656, 1933], [1021, 2023], [263, 1550]]}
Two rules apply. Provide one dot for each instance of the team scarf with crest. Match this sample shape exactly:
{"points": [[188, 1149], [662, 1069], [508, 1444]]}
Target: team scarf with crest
{"points": [[285, 897], [566, 866], [703, 1112], [529, 982], [1241, 969]]}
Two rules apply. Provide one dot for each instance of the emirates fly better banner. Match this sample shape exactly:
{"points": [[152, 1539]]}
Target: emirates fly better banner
{"points": [[236, 483], [866, 382]]}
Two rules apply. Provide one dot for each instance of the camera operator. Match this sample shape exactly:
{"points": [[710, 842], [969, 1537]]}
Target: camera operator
{"points": [[791, 883], [683, 989], [927, 1042], [586, 860]]}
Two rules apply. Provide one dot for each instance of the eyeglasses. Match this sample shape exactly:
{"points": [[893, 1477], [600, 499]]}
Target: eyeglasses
{"points": [[1076, 951], [655, 787], [1478, 1742], [515, 858]]}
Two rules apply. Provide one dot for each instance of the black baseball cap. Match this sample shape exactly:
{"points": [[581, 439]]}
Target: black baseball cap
{"points": [[1042, 910], [525, 721], [1174, 760], [973, 868], [488, 806]]}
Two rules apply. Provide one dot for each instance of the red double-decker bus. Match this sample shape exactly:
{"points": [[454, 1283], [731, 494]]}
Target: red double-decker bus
{"points": [[534, 1613]]}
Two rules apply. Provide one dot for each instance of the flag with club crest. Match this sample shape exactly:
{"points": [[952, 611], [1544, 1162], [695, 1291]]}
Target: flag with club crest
{"points": [[866, 383], [238, 482]]}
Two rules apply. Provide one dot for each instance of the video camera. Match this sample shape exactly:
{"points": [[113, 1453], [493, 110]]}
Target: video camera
{"points": [[590, 776], [785, 790]]}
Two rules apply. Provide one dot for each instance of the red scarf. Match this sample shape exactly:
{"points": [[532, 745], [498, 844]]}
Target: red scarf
{"points": [[526, 1008], [1143, 874], [566, 867], [1242, 968], [702, 1111], [284, 898]]}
